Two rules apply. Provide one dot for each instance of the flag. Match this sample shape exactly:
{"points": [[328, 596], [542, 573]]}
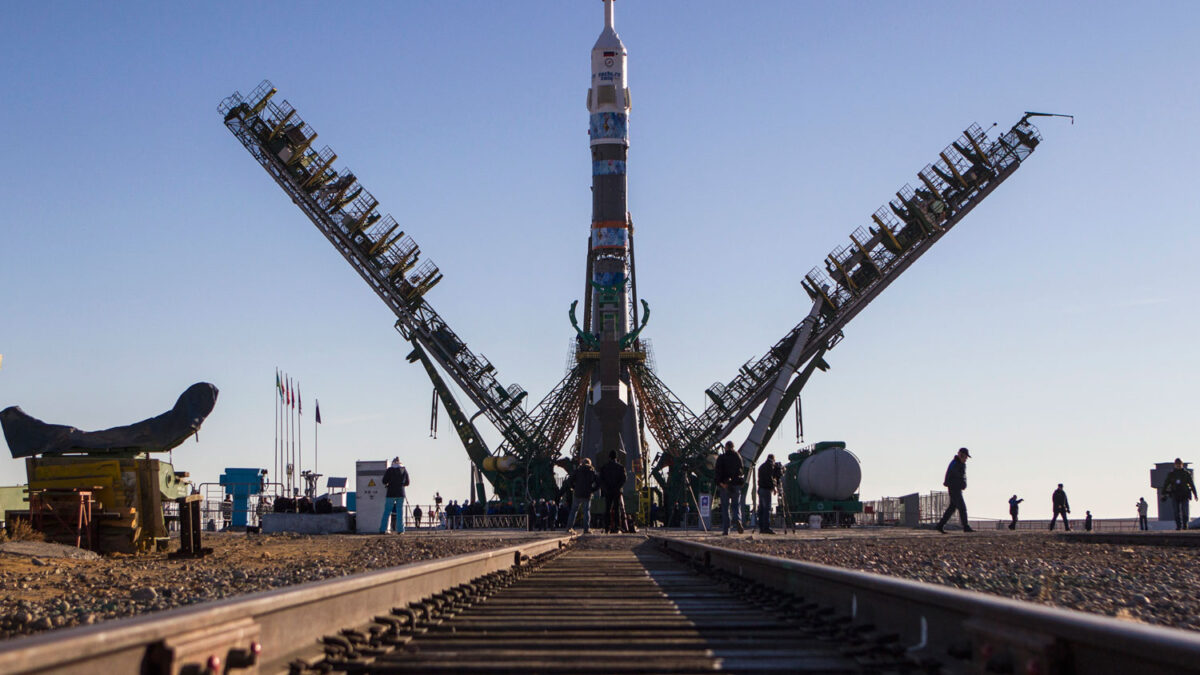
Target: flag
{"points": [[299, 401], [278, 385], [318, 415]]}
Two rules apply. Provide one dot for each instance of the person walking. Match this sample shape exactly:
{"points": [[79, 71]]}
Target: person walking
{"points": [[395, 479], [956, 482], [1143, 507], [1058, 501], [1087, 522], [1181, 489], [769, 476], [730, 479], [582, 483], [1013, 509], [612, 480]]}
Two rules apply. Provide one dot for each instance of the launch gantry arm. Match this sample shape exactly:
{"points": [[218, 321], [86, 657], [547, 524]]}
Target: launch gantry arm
{"points": [[386, 259], [964, 174]]}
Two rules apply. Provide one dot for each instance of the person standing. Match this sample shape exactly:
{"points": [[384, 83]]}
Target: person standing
{"points": [[583, 484], [729, 479], [1058, 501], [395, 479], [612, 481], [417, 517], [1180, 488], [956, 482], [769, 476], [1143, 507], [1013, 509], [1087, 522]]}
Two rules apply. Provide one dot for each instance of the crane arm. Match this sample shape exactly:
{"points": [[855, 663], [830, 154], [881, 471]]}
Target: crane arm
{"points": [[347, 215], [856, 274]]}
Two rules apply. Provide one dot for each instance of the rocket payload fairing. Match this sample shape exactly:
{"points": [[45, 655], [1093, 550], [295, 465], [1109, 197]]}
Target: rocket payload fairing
{"points": [[609, 420]]}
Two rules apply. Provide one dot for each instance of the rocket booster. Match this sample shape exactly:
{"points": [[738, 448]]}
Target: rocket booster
{"points": [[608, 105], [609, 414]]}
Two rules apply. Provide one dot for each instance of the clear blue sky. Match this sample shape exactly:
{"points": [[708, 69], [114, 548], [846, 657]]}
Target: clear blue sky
{"points": [[1052, 332]]}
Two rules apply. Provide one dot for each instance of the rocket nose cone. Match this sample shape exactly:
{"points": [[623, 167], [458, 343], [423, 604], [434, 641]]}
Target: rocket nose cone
{"points": [[609, 40]]}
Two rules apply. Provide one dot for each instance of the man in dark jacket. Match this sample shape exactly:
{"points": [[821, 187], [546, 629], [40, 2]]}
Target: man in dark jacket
{"points": [[612, 480], [1180, 488], [582, 484], [1058, 501], [729, 480], [955, 483], [395, 479], [1014, 507], [769, 476]]}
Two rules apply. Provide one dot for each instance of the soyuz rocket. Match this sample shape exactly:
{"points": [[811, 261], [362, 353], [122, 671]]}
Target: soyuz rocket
{"points": [[609, 416]]}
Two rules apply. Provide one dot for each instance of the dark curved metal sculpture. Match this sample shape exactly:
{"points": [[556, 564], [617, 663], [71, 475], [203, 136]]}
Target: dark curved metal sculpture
{"points": [[28, 436]]}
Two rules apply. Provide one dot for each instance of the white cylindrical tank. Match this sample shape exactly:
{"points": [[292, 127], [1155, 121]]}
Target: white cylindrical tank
{"points": [[832, 473]]}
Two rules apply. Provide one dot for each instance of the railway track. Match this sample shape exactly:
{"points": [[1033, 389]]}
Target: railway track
{"points": [[611, 605]]}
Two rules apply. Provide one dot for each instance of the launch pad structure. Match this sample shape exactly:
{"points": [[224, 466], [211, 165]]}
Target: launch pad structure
{"points": [[610, 394]]}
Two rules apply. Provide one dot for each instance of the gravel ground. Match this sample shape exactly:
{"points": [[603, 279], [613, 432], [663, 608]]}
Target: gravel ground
{"points": [[1150, 584], [43, 593]]}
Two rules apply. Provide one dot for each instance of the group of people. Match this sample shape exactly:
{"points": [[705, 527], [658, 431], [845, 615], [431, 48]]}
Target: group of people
{"points": [[730, 477], [1178, 486], [956, 481], [585, 481], [1058, 504]]}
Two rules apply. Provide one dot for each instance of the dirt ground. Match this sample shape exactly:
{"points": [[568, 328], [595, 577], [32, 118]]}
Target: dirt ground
{"points": [[40, 592], [1144, 583]]}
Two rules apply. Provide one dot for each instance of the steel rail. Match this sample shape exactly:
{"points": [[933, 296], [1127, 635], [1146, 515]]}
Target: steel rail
{"points": [[964, 630], [252, 633]]}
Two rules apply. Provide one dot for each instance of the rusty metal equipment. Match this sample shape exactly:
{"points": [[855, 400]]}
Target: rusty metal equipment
{"points": [[64, 515], [108, 477], [190, 528], [125, 498]]}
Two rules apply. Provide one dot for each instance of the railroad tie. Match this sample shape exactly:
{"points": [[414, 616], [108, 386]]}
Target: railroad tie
{"points": [[610, 611]]}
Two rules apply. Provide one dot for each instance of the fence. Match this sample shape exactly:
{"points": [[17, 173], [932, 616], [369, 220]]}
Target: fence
{"points": [[1098, 525], [433, 518], [910, 510]]}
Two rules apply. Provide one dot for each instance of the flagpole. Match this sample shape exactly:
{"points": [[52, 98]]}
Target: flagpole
{"points": [[292, 437], [295, 464], [280, 475], [300, 434], [287, 436], [275, 448], [316, 429]]}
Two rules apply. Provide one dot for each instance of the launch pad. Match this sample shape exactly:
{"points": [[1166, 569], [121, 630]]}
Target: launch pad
{"points": [[610, 395]]}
